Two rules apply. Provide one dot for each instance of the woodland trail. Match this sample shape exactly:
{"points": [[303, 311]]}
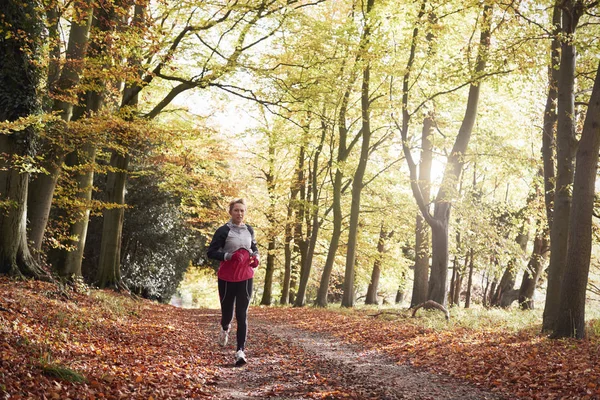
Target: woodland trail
{"points": [[285, 362]]}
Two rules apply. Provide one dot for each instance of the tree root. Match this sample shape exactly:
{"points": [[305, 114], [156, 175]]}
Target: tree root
{"points": [[430, 304]]}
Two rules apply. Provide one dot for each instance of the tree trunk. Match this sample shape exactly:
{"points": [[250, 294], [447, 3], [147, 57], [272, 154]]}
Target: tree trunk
{"points": [[571, 316], [109, 270], [270, 268], [289, 236], [357, 182], [440, 220], [20, 46], [371, 297], [334, 242], [313, 223], [453, 279], [421, 273], [534, 269], [470, 281], [300, 239], [42, 187], [550, 117], [565, 152]]}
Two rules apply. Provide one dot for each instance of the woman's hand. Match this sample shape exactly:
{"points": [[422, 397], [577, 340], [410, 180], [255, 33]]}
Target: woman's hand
{"points": [[254, 261]]}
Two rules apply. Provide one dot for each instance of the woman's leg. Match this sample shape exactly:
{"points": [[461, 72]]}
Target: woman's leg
{"points": [[227, 297], [243, 296]]}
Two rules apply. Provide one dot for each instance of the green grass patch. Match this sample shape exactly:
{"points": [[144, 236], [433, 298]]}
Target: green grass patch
{"points": [[120, 306], [63, 373]]}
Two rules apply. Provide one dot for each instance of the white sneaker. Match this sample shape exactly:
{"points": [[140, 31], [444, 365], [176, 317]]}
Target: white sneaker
{"points": [[223, 337], [240, 358]]}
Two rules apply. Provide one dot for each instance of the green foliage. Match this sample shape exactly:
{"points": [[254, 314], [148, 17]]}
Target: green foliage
{"points": [[20, 40], [198, 288], [53, 369]]}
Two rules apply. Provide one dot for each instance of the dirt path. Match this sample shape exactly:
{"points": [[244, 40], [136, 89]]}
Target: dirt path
{"points": [[289, 363]]}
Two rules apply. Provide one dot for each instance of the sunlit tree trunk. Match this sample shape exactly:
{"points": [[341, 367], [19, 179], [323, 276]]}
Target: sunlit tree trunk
{"points": [[421, 272], [272, 237], [357, 181], [269, 269], [42, 187], [534, 269], [20, 46], [439, 222], [287, 249], [342, 154], [571, 316], [312, 220], [470, 280], [566, 144], [371, 297]]}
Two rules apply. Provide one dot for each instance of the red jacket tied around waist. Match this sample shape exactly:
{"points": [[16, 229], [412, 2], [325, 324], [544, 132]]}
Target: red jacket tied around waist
{"points": [[238, 268]]}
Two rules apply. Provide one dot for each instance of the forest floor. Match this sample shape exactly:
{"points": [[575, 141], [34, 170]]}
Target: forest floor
{"points": [[57, 344]]}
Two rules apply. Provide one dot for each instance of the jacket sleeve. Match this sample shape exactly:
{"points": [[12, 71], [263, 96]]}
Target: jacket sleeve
{"points": [[253, 244], [215, 249]]}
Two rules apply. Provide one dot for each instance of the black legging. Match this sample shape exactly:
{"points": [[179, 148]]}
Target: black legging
{"points": [[238, 293]]}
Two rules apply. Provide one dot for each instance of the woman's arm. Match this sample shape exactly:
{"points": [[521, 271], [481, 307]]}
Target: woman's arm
{"points": [[215, 249]]}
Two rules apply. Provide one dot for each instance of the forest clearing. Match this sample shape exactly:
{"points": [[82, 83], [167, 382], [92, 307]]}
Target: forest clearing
{"points": [[59, 345]]}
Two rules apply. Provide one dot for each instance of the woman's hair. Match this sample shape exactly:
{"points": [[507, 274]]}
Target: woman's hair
{"points": [[236, 201]]}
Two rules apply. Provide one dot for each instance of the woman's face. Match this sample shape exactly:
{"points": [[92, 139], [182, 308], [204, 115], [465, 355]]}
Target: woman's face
{"points": [[237, 213]]}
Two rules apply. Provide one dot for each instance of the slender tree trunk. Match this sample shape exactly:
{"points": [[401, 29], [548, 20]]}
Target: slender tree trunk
{"points": [[571, 316], [357, 182], [334, 242], [534, 269], [470, 281], [371, 297], [313, 223], [421, 273], [109, 270], [300, 239], [270, 268], [453, 279], [287, 249], [565, 152]]}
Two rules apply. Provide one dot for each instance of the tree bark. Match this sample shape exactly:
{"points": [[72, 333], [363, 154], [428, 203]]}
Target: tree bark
{"points": [[357, 182], [421, 273], [470, 281], [20, 76], [270, 264], [313, 223], [571, 316], [534, 269], [565, 152], [343, 151], [371, 297], [270, 268], [109, 271], [289, 236], [63, 92]]}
